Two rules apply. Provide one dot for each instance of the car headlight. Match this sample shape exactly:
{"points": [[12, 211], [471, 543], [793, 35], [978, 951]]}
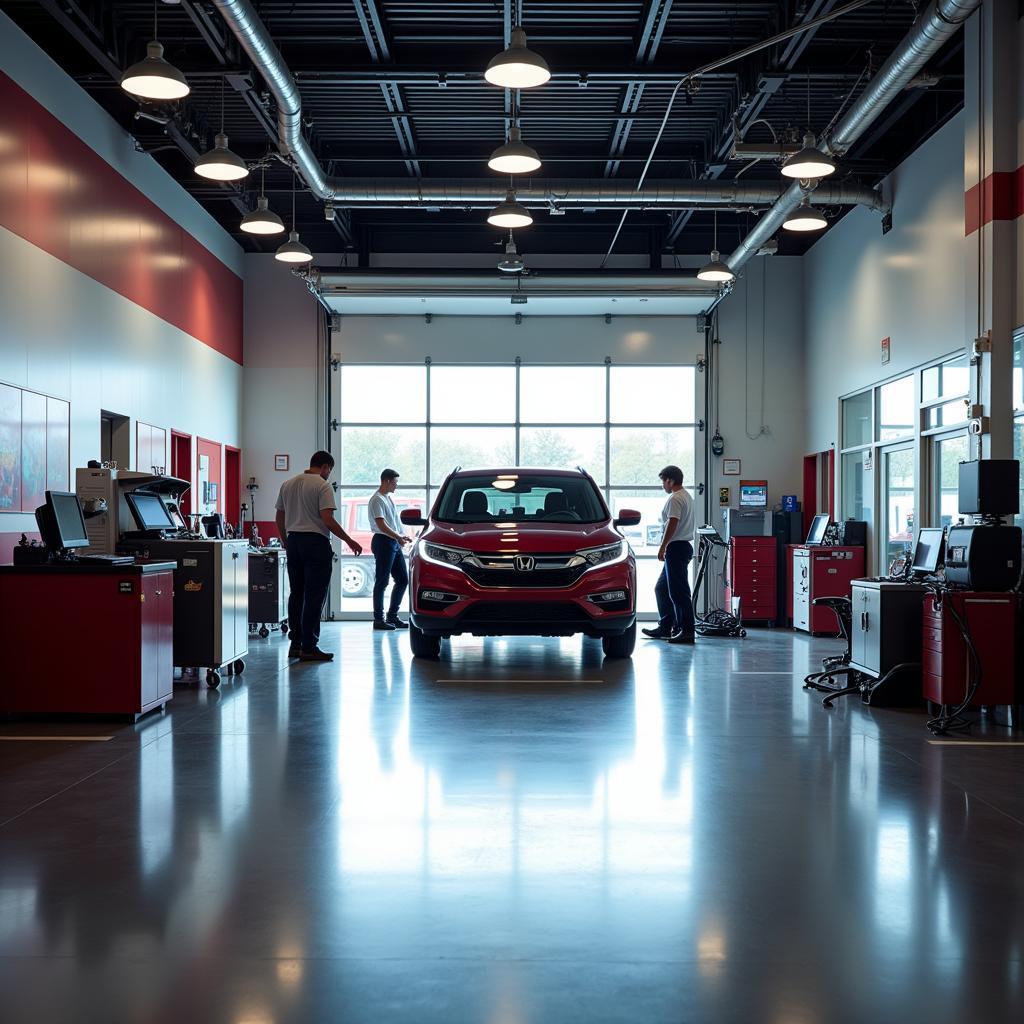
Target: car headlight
{"points": [[605, 553], [444, 555]]}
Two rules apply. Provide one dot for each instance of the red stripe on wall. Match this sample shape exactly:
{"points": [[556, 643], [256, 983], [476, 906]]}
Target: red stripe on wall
{"points": [[60, 195], [999, 197]]}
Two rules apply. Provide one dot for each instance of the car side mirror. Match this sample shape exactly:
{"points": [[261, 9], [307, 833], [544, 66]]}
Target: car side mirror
{"points": [[628, 517], [413, 517]]}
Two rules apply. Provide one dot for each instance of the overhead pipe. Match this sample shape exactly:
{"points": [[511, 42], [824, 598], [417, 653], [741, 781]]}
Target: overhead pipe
{"points": [[255, 40], [936, 25]]}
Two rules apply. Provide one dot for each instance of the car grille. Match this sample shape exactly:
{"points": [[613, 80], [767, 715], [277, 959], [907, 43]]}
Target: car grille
{"points": [[502, 571]]}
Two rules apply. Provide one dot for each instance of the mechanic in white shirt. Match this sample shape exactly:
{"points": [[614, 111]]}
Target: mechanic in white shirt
{"points": [[672, 591], [386, 544]]}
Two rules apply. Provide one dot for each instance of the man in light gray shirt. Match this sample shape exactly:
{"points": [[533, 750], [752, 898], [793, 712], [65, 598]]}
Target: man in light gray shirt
{"points": [[672, 591], [386, 544], [305, 521]]}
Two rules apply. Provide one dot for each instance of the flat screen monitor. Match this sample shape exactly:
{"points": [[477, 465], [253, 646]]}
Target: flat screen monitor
{"points": [[753, 494], [150, 511], [928, 552], [816, 534], [62, 524]]}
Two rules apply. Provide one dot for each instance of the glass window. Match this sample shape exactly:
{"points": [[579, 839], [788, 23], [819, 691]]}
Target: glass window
{"points": [[898, 502], [1018, 372], [472, 394], [949, 378], [365, 451], [896, 409], [383, 394], [562, 394], [947, 415], [645, 538], [1018, 454], [638, 456], [857, 485], [652, 394], [949, 452], [484, 448], [857, 420], [564, 448], [526, 497]]}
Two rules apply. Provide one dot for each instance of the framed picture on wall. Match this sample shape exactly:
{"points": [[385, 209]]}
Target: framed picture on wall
{"points": [[281, 463], [730, 467]]}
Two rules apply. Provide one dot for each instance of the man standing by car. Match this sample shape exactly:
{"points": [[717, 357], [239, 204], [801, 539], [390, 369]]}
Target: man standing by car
{"points": [[305, 521], [672, 591], [386, 544]]}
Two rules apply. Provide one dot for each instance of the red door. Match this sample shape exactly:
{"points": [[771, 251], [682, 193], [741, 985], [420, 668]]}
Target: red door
{"points": [[181, 465], [232, 483], [210, 453]]}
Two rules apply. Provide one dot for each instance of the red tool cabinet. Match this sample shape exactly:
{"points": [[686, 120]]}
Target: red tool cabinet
{"points": [[86, 638], [752, 577], [991, 621], [819, 571]]}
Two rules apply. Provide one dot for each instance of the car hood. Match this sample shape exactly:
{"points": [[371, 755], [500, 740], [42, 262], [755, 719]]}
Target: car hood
{"points": [[512, 538]]}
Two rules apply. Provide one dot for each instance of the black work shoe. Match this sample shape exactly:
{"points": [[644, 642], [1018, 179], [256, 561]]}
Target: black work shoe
{"points": [[294, 651], [316, 655], [682, 638], [380, 624], [658, 633], [397, 622]]}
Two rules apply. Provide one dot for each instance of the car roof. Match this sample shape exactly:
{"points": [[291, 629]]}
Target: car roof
{"points": [[490, 470]]}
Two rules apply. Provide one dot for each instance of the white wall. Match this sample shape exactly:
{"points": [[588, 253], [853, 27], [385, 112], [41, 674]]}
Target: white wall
{"points": [[862, 286]]}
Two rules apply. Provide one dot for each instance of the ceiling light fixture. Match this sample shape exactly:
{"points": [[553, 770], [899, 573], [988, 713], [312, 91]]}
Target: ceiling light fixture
{"points": [[515, 156], [716, 271], [153, 78], [518, 67], [513, 262], [293, 251], [510, 214], [805, 218], [809, 163], [219, 163], [262, 220]]}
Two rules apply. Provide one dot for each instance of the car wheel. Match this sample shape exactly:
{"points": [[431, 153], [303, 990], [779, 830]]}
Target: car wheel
{"points": [[424, 646], [621, 645], [355, 580]]}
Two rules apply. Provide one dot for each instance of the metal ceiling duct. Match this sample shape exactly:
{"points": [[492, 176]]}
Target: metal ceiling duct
{"points": [[939, 22], [255, 40]]}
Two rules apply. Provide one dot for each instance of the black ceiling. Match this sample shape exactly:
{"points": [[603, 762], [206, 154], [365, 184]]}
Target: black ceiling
{"points": [[395, 88]]}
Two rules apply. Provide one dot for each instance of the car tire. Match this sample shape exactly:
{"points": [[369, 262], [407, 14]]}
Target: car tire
{"points": [[355, 579], [423, 645], [621, 645]]}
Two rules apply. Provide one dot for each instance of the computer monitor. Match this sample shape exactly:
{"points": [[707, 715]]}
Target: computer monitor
{"points": [[753, 494], [150, 511], [61, 523], [816, 534], [928, 552]]}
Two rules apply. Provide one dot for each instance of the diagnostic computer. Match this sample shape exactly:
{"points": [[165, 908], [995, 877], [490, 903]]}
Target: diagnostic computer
{"points": [[753, 494], [819, 527]]}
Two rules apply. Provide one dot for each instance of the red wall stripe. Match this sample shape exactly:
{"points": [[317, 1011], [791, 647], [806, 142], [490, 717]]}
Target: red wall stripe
{"points": [[60, 195], [999, 197]]}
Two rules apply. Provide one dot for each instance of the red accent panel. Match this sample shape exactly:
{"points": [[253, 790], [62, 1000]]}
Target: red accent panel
{"points": [[267, 528], [212, 449], [999, 197], [181, 466], [232, 483], [810, 495], [832, 484], [61, 196]]}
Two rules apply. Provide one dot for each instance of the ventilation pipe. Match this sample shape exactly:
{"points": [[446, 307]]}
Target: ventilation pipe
{"points": [[939, 22]]}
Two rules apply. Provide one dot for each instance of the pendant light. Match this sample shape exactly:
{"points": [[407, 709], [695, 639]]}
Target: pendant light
{"points": [[219, 163], [153, 78], [293, 251], [262, 220], [515, 157], [809, 163], [510, 214], [716, 271], [513, 262], [805, 218], [518, 67]]}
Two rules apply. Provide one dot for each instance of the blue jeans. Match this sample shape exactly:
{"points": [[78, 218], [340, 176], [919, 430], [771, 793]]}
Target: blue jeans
{"points": [[310, 561], [389, 564], [672, 591]]}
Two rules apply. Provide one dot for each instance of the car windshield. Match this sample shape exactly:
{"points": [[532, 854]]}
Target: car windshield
{"points": [[520, 497]]}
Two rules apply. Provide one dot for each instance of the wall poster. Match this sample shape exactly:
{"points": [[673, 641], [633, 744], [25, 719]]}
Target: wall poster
{"points": [[35, 448]]}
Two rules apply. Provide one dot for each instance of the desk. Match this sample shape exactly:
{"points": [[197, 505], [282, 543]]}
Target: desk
{"points": [[86, 639]]}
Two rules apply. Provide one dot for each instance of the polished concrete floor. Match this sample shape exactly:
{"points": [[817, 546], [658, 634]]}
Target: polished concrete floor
{"points": [[520, 833]]}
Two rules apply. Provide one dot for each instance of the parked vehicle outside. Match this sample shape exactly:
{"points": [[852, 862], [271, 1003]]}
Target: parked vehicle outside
{"points": [[354, 517]]}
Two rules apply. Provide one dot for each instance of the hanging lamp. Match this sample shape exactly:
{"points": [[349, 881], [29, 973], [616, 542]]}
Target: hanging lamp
{"points": [[716, 271], [293, 251], [805, 218], [515, 156], [512, 263], [809, 163], [154, 78], [262, 220], [518, 67], [510, 213], [219, 163]]}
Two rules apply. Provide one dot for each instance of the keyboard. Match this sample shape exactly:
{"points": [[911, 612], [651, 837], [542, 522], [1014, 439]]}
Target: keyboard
{"points": [[108, 559]]}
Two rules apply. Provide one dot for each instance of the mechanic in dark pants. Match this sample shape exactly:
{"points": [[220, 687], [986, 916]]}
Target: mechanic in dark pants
{"points": [[305, 519], [672, 591], [386, 545]]}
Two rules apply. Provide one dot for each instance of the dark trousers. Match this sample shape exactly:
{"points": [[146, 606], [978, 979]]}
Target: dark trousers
{"points": [[309, 576], [675, 606], [390, 564]]}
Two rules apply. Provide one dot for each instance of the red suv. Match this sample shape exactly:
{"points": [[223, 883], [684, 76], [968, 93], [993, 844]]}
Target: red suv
{"points": [[521, 552]]}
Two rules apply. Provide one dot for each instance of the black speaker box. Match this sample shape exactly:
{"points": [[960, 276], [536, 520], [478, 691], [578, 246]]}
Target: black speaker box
{"points": [[853, 533], [989, 487]]}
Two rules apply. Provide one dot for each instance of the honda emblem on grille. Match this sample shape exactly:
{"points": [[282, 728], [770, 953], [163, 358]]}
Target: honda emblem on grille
{"points": [[524, 563]]}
